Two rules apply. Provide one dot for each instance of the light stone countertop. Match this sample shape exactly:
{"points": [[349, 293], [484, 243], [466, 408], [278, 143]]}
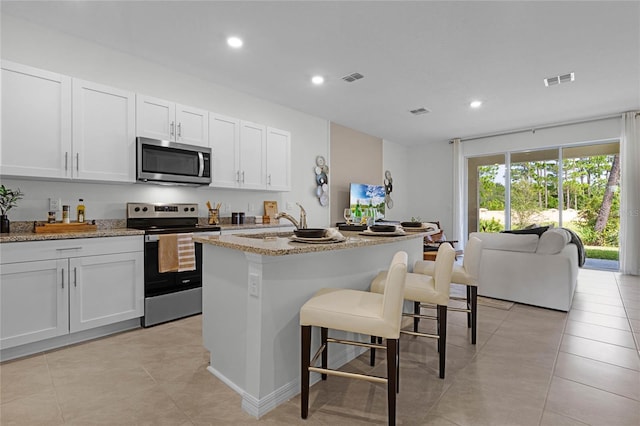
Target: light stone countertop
{"points": [[17, 237], [281, 245]]}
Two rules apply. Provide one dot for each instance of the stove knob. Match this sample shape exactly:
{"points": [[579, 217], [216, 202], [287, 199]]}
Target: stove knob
{"points": [[144, 209], [137, 209], [193, 209], [186, 209]]}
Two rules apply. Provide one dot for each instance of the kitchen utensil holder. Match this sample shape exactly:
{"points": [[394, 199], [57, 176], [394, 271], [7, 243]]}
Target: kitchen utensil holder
{"points": [[214, 217]]}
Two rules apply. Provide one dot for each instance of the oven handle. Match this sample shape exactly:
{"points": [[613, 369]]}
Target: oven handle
{"points": [[153, 238]]}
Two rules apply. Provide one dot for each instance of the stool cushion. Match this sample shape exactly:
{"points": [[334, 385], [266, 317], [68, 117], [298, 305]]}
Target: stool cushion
{"points": [[347, 310], [375, 314], [418, 288], [458, 276]]}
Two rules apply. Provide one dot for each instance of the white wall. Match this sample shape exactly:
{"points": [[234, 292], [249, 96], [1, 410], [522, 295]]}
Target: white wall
{"points": [[430, 183], [29, 44], [600, 130], [395, 158]]}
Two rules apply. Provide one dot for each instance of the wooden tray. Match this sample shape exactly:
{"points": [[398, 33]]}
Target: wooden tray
{"points": [[59, 227], [270, 211]]}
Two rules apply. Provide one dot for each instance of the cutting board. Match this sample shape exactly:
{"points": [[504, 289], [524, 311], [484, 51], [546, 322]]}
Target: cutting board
{"points": [[59, 228]]}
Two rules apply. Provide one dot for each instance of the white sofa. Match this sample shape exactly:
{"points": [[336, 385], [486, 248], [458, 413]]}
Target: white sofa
{"points": [[525, 268]]}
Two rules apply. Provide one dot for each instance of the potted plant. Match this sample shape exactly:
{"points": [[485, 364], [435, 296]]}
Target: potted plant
{"points": [[8, 199]]}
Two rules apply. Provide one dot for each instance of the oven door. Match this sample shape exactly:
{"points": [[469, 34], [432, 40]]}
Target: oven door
{"points": [[157, 283], [164, 161]]}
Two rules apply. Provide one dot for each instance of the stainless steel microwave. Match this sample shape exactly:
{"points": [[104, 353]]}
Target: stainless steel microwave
{"points": [[161, 161]]}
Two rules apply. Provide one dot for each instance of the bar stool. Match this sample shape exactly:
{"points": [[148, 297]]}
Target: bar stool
{"points": [[357, 312], [466, 274], [426, 291]]}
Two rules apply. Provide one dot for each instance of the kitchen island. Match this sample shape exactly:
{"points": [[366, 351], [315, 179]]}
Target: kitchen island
{"points": [[253, 288]]}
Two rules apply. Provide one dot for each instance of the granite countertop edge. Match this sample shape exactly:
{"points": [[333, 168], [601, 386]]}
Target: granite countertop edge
{"points": [[282, 246], [100, 233]]}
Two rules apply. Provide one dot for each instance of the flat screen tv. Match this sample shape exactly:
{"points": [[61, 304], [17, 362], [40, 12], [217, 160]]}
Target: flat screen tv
{"points": [[363, 196]]}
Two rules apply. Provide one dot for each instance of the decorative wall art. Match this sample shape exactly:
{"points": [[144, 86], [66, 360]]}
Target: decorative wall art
{"points": [[322, 180], [388, 187]]}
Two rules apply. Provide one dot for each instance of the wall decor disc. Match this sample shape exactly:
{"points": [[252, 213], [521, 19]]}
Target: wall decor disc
{"points": [[325, 168], [322, 178], [318, 191], [320, 161], [317, 170], [324, 199], [387, 174]]}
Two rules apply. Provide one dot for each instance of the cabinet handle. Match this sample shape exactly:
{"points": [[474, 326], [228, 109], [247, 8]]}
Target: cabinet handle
{"points": [[269, 180], [66, 161], [171, 131], [243, 176], [179, 130], [77, 162], [70, 248], [62, 278], [75, 277], [238, 176]]}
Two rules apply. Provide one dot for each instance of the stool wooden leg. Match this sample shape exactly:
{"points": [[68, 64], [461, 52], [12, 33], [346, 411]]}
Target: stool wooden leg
{"points": [[474, 313], [398, 366], [372, 352], [469, 314], [392, 384], [323, 337], [416, 311], [442, 332], [304, 373]]}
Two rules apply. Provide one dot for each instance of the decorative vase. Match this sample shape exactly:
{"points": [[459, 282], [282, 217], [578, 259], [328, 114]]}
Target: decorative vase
{"points": [[4, 224]]}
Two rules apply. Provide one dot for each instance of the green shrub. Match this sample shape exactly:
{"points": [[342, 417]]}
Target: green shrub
{"points": [[491, 225]]}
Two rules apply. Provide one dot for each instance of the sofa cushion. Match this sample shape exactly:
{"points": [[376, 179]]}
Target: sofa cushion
{"points": [[553, 241], [507, 242]]}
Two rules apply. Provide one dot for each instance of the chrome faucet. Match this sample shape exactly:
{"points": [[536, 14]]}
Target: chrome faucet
{"points": [[302, 224]]}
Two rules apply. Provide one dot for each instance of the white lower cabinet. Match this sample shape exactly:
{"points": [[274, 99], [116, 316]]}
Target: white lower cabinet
{"points": [[53, 288], [34, 305]]}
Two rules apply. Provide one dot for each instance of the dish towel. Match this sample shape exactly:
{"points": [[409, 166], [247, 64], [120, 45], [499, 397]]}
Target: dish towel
{"points": [[176, 253], [186, 253]]}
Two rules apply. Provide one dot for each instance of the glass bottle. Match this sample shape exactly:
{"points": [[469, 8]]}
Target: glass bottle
{"points": [[80, 211]]}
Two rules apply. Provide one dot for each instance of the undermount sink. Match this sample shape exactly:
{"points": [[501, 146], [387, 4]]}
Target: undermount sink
{"points": [[267, 235]]}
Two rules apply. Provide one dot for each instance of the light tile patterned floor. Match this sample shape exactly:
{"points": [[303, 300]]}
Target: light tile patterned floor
{"points": [[531, 366]]}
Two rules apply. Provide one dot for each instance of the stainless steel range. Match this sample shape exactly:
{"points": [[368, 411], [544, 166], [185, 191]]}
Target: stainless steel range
{"points": [[168, 295]]}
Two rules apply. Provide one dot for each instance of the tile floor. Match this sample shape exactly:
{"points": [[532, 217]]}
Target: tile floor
{"points": [[531, 366]]}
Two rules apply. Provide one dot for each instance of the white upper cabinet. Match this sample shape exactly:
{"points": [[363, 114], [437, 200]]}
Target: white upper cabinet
{"points": [[224, 140], [253, 163], [248, 155], [36, 122], [103, 133], [164, 120], [278, 160], [54, 126]]}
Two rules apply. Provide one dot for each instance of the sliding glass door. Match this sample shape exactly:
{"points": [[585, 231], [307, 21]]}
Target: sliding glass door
{"points": [[574, 187]]}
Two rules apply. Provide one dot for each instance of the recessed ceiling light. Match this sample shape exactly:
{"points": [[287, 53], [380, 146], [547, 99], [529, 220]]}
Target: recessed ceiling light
{"points": [[317, 79], [475, 104], [235, 42]]}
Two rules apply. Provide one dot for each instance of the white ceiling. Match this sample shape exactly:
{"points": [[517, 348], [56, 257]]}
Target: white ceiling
{"points": [[437, 55]]}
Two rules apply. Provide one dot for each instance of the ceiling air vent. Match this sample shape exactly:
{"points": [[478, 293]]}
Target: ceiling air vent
{"points": [[352, 77], [564, 78], [419, 111]]}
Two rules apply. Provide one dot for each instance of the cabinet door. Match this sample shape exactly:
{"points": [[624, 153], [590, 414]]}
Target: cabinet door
{"points": [[224, 136], [253, 173], [278, 160], [36, 122], [155, 118], [105, 289], [103, 133], [192, 125], [33, 301]]}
